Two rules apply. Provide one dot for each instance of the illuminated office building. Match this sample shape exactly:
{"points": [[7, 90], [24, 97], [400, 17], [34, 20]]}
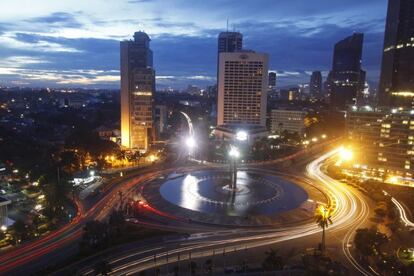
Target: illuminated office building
{"points": [[315, 84], [383, 139], [137, 88], [346, 79], [242, 93], [397, 71]]}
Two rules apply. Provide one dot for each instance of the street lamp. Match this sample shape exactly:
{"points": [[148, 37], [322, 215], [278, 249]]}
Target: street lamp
{"points": [[241, 135], [191, 144], [234, 154], [346, 154]]}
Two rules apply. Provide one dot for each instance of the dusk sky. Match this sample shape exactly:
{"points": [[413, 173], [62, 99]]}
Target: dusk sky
{"points": [[75, 43]]}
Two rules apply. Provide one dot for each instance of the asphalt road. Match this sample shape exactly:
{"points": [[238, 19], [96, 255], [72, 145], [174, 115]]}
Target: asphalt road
{"points": [[351, 211]]}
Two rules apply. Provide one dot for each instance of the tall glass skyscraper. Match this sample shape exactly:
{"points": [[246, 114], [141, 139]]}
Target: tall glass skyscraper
{"points": [[397, 71], [346, 79], [137, 88]]}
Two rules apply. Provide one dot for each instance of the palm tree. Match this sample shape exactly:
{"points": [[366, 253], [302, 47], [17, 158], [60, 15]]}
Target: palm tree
{"points": [[323, 216]]}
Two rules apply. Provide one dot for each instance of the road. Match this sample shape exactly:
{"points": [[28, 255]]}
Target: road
{"points": [[351, 211], [61, 244]]}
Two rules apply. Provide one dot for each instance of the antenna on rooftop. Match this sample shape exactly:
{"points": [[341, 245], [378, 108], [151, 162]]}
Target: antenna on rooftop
{"points": [[227, 27]]}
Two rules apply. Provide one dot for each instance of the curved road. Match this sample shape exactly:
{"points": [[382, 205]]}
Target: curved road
{"points": [[350, 212]]}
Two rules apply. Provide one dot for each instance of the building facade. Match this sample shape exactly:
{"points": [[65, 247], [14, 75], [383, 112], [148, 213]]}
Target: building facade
{"points": [[363, 125], [137, 89], [160, 118], [3, 212], [383, 139], [287, 120], [346, 79], [272, 80], [243, 82], [396, 146], [229, 42], [397, 70], [315, 84]]}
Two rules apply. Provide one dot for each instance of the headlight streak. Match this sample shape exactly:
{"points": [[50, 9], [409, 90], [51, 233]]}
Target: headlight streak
{"points": [[350, 212]]}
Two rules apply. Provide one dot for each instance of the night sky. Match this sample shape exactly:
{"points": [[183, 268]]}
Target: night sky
{"points": [[75, 43]]}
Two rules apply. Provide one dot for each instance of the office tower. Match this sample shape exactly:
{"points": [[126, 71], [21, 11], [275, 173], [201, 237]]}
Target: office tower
{"points": [[242, 89], [137, 88], [315, 85], [287, 120], [272, 80], [397, 71], [229, 42], [346, 77], [160, 118]]}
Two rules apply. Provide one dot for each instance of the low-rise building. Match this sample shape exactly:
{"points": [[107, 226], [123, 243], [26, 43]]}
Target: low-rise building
{"points": [[383, 139], [287, 120]]}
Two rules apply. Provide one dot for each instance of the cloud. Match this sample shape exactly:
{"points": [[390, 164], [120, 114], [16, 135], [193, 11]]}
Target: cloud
{"points": [[57, 20], [24, 41], [59, 78], [72, 47]]}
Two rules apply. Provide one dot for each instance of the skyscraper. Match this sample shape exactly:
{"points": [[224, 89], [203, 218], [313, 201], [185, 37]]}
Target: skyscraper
{"points": [[229, 42], [315, 85], [345, 77], [397, 71], [137, 88], [243, 81], [272, 80]]}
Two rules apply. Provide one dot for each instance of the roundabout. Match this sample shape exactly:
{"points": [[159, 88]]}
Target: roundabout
{"points": [[208, 196]]}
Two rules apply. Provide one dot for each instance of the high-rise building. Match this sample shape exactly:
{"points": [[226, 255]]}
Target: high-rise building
{"points": [[242, 88], [315, 85], [397, 71], [160, 118], [229, 42], [346, 79], [272, 80], [137, 88]]}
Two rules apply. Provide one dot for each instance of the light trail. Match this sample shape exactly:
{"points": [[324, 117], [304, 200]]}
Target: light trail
{"points": [[403, 214], [354, 219], [350, 212]]}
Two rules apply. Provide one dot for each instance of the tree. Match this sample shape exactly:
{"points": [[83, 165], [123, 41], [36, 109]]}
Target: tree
{"points": [[116, 222], [102, 267], [20, 230], [95, 235], [323, 219], [368, 241], [193, 267], [208, 265], [273, 261]]}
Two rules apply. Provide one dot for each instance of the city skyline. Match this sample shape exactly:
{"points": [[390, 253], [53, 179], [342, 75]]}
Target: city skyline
{"points": [[48, 47]]}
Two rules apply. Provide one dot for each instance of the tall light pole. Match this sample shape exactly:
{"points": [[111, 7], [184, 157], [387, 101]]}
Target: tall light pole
{"points": [[234, 154], [191, 144]]}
